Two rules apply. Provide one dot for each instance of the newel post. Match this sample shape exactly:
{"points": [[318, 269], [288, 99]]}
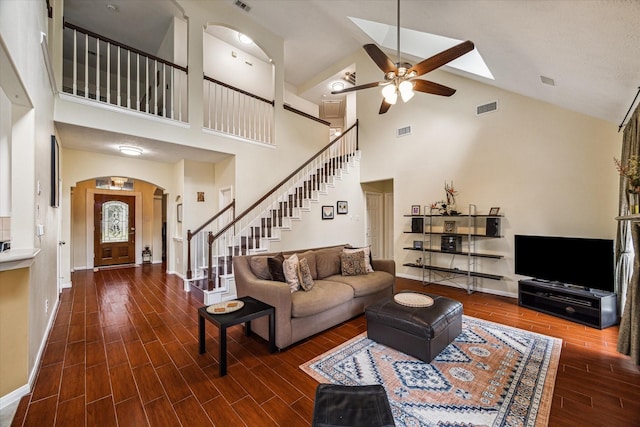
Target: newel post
{"points": [[189, 272]]}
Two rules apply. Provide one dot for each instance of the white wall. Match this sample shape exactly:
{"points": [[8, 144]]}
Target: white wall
{"points": [[550, 170], [243, 70], [312, 231], [21, 25]]}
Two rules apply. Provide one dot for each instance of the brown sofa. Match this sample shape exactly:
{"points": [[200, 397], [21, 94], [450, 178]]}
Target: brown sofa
{"points": [[333, 299]]}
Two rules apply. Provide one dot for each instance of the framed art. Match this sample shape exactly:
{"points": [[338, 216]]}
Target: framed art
{"points": [[179, 212], [449, 226], [342, 207], [55, 172], [494, 211], [415, 209], [327, 212], [417, 244]]}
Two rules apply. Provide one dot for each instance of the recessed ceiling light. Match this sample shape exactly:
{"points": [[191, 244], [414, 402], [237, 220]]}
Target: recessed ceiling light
{"points": [[130, 150], [244, 39]]}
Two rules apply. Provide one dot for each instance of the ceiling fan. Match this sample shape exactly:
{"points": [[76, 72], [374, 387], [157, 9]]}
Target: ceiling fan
{"points": [[400, 77]]}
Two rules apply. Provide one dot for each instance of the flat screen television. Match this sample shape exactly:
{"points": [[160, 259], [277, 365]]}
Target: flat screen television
{"points": [[574, 261]]}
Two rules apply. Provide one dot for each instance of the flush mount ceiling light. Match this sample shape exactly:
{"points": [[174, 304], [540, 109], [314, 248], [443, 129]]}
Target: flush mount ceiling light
{"points": [[112, 8], [244, 39], [337, 86], [130, 150]]}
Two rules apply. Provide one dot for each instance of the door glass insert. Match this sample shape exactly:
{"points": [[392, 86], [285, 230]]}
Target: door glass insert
{"points": [[115, 222]]}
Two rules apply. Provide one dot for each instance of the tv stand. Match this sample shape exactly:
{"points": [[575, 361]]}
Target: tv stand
{"points": [[592, 308]]}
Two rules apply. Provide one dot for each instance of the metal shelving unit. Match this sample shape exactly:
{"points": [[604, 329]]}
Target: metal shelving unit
{"points": [[429, 251]]}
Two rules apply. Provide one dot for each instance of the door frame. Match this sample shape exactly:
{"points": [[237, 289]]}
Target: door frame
{"points": [[90, 199], [379, 226]]}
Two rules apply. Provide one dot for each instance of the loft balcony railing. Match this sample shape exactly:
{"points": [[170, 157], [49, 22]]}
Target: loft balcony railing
{"points": [[250, 231], [106, 71], [233, 111]]}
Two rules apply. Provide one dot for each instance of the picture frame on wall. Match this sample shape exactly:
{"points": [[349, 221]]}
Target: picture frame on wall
{"points": [[415, 209], [342, 207], [494, 211], [55, 172], [327, 212]]}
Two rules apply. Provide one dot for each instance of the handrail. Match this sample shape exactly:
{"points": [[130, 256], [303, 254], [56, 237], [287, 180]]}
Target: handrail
{"points": [[303, 114], [122, 45], [244, 92], [284, 181], [190, 234]]}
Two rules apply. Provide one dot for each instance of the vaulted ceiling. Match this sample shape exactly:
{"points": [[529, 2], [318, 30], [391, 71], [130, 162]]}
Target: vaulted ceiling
{"points": [[590, 49]]}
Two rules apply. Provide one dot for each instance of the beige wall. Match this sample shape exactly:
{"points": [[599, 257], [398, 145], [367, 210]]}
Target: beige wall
{"points": [[14, 329], [549, 170]]}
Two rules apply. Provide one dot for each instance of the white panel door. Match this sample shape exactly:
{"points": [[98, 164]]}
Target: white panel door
{"points": [[374, 225]]}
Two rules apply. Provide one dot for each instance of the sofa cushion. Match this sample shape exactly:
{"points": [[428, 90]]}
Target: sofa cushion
{"points": [[304, 275], [275, 267], [328, 261], [290, 269], [352, 264], [367, 284], [323, 296], [260, 267]]}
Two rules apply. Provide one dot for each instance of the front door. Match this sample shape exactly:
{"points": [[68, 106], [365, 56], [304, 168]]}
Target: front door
{"points": [[114, 230]]}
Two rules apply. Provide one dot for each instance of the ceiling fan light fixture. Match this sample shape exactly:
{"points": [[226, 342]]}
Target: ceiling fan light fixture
{"points": [[406, 90], [390, 94]]}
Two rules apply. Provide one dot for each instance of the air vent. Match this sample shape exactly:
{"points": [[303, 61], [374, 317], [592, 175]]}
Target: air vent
{"points": [[487, 108], [403, 131], [242, 5], [547, 80]]}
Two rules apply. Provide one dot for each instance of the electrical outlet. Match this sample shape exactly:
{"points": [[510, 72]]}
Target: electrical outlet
{"points": [[46, 306]]}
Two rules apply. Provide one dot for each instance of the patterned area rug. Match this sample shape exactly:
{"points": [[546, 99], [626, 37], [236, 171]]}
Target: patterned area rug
{"points": [[491, 375]]}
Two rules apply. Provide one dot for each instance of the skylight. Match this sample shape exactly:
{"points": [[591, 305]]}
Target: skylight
{"points": [[422, 45]]}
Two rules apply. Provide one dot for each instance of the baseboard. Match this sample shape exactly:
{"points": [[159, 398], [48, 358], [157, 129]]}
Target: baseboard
{"points": [[18, 393], [66, 285], [483, 290]]}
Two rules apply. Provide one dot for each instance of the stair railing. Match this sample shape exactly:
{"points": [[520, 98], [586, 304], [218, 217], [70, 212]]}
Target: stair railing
{"points": [[198, 242], [237, 112], [249, 231], [104, 70]]}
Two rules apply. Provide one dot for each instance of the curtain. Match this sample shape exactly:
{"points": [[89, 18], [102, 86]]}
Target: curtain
{"points": [[628, 244]]}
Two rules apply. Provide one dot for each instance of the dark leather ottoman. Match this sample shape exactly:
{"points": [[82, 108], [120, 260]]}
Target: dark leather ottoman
{"points": [[354, 406], [422, 332]]}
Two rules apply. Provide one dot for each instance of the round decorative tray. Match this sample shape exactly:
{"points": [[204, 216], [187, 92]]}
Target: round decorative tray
{"points": [[225, 307], [412, 299]]}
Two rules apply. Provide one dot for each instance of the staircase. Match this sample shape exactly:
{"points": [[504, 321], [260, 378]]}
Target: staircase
{"points": [[211, 247]]}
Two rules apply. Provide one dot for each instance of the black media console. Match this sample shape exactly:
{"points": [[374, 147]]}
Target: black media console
{"points": [[590, 307]]}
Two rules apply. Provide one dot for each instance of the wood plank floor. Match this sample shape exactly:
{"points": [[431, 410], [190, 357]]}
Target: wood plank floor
{"points": [[124, 352]]}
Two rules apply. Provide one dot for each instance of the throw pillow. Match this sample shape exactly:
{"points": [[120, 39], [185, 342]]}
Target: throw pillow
{"points": [[367, 256], [260, 267], [290, 268], [353, 263], [304, 275], [275, 268]]}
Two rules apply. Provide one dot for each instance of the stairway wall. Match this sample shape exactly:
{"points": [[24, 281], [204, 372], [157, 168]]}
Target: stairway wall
{"points": [[313, 231]]}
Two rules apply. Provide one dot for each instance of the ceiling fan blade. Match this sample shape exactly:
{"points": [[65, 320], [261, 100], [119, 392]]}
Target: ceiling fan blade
{"points": [[351, 89], [381, 60], [432, 88], [442, 58], [384, 107]]}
